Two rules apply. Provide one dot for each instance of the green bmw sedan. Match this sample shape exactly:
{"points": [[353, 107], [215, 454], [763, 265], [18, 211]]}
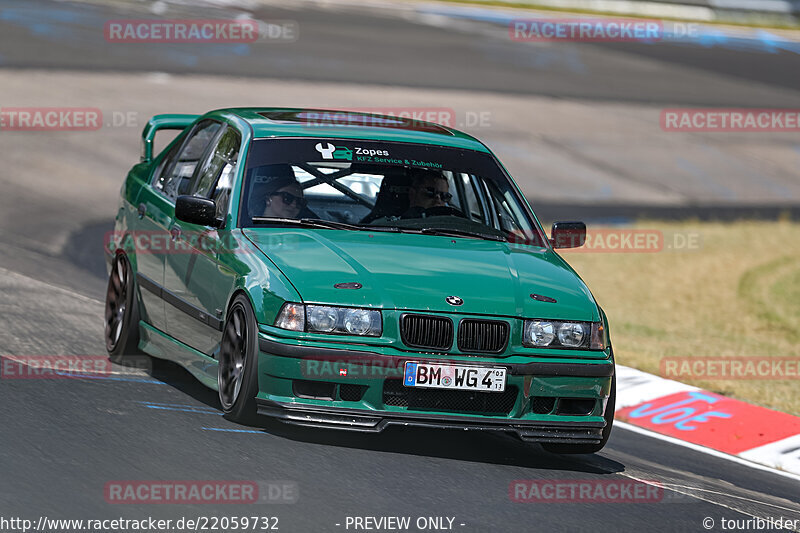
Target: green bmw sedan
{"points": [[353, 271]]}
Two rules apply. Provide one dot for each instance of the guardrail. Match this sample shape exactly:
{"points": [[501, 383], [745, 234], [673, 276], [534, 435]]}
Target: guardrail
{"points": [[781, 7], [776, 10]]}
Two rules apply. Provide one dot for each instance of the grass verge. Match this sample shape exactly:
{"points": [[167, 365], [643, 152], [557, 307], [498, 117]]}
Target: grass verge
{"points": [[713, 290]]}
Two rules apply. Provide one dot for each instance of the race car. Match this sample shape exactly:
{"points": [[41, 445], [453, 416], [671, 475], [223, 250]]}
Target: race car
{"points": [[356, 271]]}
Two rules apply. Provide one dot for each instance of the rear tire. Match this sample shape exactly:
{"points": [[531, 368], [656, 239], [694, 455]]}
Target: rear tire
{"points": [[237, 377], [591, 448], [122, 311]]}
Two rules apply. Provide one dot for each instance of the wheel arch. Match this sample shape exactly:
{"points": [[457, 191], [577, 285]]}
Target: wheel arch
{"points": [[267, 289], [125, 245], [236, 292]]}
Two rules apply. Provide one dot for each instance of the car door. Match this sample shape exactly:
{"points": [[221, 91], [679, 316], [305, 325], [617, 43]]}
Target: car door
{"points": [[156, 210], [151, 232], [200, 279]]}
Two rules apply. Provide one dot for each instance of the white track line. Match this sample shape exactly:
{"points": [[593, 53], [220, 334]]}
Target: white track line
{"points": [[691, 494], [703, 449]]}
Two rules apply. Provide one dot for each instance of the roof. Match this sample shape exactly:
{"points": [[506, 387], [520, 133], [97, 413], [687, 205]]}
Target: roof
{"points": [[297, 122]]}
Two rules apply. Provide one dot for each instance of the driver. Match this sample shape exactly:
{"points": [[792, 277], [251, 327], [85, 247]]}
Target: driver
{"points": [[428, 189], [276, 192]]}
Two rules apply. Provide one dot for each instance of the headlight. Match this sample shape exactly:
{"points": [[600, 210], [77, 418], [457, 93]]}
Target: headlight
{"points": [[558, 334], [358, 321], [322, 319], [327, 319], [538, 333], [571, 334]]}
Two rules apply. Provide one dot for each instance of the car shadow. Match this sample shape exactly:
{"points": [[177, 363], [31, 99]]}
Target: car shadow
{"points": [[472, 446]]}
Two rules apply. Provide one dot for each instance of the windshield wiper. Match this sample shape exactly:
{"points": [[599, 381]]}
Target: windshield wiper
{"points": [[447, 232], [303, 222], [329, 224], [320, 223]]}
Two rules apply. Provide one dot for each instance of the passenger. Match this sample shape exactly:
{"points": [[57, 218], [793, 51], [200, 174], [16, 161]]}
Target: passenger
{"points": [[276, 192], [428, 189]]}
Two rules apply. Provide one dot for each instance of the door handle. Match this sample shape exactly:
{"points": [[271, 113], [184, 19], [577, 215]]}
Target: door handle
{"points": [[142, 210]]}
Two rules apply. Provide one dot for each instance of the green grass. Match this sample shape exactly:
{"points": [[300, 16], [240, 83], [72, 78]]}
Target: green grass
{"points": [[736, 295]]}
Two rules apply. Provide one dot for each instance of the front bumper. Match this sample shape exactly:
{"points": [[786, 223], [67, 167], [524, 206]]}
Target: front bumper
{"points": [[283, 364], [358, 420]]}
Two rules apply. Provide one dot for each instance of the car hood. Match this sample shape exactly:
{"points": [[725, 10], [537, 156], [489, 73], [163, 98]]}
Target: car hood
{"points": [[417, 272]]}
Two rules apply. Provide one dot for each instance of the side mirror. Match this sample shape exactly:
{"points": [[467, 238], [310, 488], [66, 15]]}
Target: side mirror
{"points": [[568, 234], [196, 210]]}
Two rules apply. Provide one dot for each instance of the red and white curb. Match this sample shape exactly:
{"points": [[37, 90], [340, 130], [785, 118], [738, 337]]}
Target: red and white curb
{"points": [[705, 419]]}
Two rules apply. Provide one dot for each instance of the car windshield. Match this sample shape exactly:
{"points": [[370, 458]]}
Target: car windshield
{"points": [[382, 186]]}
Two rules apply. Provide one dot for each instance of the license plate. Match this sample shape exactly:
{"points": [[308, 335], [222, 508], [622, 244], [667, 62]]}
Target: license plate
{"points": [[454, 377]]}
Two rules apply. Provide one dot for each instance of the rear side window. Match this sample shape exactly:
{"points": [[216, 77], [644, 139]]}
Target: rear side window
{"points": [[179, 169], [216, 172], [472, 205], [222, 192], [221, 159], [160, 175]]}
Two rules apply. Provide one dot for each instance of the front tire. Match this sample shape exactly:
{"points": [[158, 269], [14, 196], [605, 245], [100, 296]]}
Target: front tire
{"points": [[237, 377], [122, 311], [591, 448]]}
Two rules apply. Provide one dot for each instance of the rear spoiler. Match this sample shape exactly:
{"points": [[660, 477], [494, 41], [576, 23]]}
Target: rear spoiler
{"points": [[162, 122]]}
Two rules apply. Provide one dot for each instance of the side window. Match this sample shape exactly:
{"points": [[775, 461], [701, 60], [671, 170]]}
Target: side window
{"points": [[458, 199], [502, 209], [178, 173], [222, 192], [160, 178], [220, 161], [473, 210]]}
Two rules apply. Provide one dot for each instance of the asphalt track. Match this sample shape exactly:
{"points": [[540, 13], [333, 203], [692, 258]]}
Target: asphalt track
{"points": [[62, 440], [357, 45]]}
